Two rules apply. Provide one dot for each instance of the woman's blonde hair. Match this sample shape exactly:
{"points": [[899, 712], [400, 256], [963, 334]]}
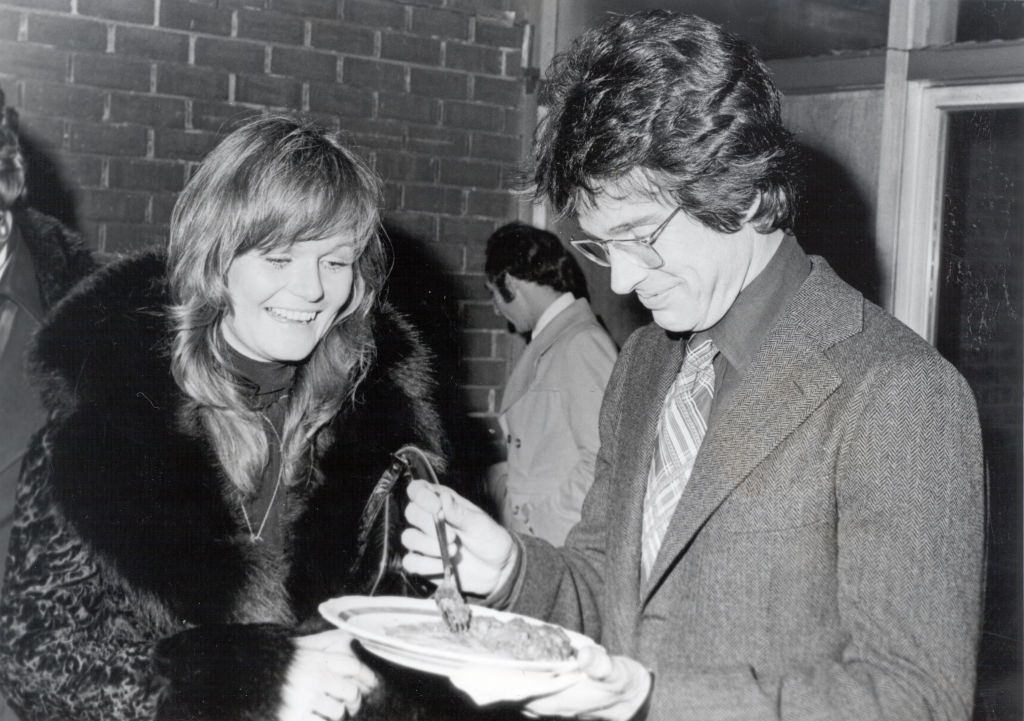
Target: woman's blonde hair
{"points": [[273, 182]]}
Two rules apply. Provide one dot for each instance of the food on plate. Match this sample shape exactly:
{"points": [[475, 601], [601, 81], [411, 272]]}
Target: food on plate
{"points": [[515, 639]]}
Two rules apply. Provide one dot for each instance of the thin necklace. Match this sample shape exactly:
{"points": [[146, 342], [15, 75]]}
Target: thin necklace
{"points": [[258, 536]]}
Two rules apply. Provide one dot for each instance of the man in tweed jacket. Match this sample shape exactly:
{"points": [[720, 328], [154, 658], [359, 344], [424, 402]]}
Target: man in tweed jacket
{"points": [[824, 558]]}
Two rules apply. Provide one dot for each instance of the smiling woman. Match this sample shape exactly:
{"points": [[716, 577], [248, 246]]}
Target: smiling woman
{"points": [[220, 416]]}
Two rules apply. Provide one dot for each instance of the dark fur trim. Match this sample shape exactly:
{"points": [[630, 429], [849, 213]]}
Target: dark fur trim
{"points": [[226, 673], [103, 341], [59, 255]]}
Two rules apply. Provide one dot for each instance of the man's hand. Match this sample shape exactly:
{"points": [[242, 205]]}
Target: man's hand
{"points": [[605, 688], [483, 551]]}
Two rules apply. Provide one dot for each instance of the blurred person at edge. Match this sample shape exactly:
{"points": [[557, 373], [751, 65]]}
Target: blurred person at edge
{"points": [[817, 553], [551, 401], [40, 260], [219, 415]]}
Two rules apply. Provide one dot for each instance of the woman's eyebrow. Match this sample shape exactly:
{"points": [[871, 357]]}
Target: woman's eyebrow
{"points": [[342, 251]]}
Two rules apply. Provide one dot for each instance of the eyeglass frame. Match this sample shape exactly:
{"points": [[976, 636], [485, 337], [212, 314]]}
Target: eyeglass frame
{"points": [[581, 244]]}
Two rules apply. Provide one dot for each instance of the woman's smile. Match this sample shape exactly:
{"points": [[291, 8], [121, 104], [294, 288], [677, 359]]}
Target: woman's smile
{"points": [[284, 315]]}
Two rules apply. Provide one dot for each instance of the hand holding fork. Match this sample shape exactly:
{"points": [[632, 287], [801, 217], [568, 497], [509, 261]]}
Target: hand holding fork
{"points": [[487, 553], [453, 606]]}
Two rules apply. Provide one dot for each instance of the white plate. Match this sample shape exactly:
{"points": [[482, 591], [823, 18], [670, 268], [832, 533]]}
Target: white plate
{"points": [[368, 619]]}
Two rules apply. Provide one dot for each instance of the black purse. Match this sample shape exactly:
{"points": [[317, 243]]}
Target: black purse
{"points": [[377, 569]]}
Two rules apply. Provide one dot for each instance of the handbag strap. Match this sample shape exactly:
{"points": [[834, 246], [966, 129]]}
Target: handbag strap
{"points": [[409, 461]]}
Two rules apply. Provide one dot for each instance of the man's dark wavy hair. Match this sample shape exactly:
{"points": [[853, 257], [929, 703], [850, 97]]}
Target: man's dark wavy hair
{"points": [[531, 254], [12, 160], [689, 105]]}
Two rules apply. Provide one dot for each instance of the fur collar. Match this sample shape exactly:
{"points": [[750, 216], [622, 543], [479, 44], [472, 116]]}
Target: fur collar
{"points": [[149, 498], [58, 254]]}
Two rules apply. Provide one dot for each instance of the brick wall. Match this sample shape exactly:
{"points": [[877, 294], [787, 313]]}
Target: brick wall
{"points": [[120, 99]]}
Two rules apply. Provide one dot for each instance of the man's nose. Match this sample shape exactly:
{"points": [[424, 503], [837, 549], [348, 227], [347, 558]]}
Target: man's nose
{"points": [[626, 274], [306, 282]]}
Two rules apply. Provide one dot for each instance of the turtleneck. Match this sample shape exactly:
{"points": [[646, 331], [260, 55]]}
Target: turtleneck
{"points": [[267, 381], [267, 384]]}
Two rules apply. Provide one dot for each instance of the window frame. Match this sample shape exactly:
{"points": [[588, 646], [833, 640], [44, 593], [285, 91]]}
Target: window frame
{"points": [[919, 233]]}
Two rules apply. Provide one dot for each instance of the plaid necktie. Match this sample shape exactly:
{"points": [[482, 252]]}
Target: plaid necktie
{"points": [[680, 432]]}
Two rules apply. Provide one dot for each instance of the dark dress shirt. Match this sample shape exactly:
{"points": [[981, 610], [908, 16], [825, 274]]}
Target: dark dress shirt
{"points": [[740, 332]]}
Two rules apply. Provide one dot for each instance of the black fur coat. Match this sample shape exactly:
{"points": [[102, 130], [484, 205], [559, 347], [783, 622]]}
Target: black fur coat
{"points": [[59, 255], [133, 591]]}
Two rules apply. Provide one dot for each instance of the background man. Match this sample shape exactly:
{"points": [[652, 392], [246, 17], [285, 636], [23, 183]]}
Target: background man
{"points": [[551, 401], [787, 515], [39, 261]]}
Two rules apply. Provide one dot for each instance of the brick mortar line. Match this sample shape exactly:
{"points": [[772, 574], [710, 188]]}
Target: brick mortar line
{"points": [[268, 48], [155, 25]]}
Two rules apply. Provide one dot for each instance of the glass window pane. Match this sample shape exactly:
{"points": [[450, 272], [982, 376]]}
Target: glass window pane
{"points": [[979, 329], [989, 20]]}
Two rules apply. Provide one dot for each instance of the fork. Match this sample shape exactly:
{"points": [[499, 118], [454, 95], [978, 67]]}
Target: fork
{"points": [[453, 606]]}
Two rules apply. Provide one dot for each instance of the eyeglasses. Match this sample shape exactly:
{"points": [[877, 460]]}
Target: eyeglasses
{"points": [[639, 250]]}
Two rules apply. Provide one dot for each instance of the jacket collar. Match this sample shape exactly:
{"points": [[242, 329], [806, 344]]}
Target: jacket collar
{"points": [[577, 314], [551, 312]]}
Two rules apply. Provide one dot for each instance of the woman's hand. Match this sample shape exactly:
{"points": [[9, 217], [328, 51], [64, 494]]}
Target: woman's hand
{"points": [[484, 554], [325, 679]]}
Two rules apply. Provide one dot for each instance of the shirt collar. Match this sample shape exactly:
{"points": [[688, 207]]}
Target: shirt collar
{"points": [[740, 332], [18, 277], [561, 303]]}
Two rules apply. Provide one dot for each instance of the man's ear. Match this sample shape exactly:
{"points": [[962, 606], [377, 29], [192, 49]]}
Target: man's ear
{"points": [[513, 285]]}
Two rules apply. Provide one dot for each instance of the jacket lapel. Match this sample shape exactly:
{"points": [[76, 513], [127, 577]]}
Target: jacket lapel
{"points": [[789, 378], [526, 367], [658, 362]]}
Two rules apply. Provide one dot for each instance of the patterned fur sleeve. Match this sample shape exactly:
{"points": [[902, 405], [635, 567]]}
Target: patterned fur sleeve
{"points": [[68, 645]]}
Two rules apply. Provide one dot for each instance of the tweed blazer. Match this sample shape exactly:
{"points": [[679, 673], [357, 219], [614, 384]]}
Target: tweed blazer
{"points": [[825, 559]]}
